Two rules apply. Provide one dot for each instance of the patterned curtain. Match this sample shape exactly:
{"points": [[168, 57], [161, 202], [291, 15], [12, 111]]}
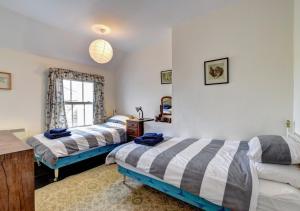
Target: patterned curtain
{"points": [[99, 112], [55, 109]]}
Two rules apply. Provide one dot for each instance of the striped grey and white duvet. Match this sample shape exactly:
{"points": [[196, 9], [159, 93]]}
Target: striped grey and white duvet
{"points": [[82, 138], [216, 170]]}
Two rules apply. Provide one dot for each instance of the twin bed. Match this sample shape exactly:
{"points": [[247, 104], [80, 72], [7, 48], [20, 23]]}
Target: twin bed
{"points": [[84, 143], [210, 174], [196, 169]]}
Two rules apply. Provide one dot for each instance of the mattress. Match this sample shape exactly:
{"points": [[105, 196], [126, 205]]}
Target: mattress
{"points": [[273, 196]]}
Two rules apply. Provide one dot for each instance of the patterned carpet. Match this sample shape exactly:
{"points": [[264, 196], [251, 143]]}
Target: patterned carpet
{"points": [[101, 188]]}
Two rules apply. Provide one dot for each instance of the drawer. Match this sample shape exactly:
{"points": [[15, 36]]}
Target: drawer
{"points": [[132, 132], [132, 124]]}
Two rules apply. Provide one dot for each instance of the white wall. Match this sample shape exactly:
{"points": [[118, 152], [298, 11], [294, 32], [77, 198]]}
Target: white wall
{"points": [[297, 65], [23, 106], [257, 37], [138, 81], [25, 34]]}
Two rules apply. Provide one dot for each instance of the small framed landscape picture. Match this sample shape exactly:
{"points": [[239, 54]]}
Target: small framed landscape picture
{"points": [[5, 81], [216, 71], [166, 77]]}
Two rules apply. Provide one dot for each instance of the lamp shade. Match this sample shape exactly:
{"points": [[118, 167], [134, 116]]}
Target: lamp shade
{"points": [[101, 51]]}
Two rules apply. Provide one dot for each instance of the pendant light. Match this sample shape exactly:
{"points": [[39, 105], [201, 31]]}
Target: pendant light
{"points": [[100, 50]]}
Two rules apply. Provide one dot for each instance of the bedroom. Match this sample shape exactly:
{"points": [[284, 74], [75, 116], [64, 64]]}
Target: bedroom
{"points": [[162, 68]]}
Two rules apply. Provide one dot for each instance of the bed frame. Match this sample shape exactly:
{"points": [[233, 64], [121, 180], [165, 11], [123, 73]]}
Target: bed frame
{"points": [[171, 190], [77, 157]]}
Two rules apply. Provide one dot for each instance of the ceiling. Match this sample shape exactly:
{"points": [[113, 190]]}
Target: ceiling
{"points": [[134, 23]]}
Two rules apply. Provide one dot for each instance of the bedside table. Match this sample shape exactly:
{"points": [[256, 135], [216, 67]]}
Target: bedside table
{"points": [[135, 127]]}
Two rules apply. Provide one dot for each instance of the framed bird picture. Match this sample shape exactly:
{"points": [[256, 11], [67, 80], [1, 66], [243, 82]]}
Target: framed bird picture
{"points": [[216, 71]]}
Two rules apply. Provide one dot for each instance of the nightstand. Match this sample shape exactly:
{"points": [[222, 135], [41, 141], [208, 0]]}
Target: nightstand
{"points": [[135, 127]]}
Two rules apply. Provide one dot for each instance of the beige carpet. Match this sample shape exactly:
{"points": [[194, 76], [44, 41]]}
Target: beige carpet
{"points": [[100, 189]]}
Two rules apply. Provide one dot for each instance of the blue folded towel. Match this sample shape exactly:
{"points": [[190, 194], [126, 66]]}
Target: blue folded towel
{"points": [[58, 130], [148, 142], [152, 135], [149, 139], [58, 135]]}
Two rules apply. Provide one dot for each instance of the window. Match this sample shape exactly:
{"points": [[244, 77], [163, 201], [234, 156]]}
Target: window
{"points": [[78, 99]]}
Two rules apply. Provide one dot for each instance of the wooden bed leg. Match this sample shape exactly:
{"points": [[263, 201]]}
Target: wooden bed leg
{"points": [[124, 179], [56, 173]]}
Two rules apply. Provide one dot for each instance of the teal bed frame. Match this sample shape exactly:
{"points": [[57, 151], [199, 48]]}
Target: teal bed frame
{"points": [[77, 157], [172, 190]]}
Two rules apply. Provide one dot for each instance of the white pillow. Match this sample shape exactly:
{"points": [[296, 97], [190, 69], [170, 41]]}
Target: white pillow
{"points": [[274, 149], [289, 174]]}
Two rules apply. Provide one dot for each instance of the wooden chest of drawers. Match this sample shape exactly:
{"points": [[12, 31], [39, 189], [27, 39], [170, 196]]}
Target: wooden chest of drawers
{"points": [[16, 174], [135, 127]]}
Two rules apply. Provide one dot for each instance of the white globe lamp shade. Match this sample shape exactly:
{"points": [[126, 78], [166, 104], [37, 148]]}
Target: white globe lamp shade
{"points": [[101, 51]]}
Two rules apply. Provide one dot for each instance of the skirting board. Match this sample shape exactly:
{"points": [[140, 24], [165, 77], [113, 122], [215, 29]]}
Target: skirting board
{"points": [[172, 191]]}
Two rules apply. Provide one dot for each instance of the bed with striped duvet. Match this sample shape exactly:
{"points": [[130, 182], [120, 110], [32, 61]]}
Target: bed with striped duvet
{"points": [[82, 139], [216, 170]]}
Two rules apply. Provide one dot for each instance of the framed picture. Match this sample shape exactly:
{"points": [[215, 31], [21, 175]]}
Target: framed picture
{"points": [[166, 77], [216, 71], [5, 81]]}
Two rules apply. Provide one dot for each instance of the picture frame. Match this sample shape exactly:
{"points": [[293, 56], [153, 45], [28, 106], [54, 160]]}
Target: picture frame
{"points": [[166, 77], [216, 71], [5, 81]]}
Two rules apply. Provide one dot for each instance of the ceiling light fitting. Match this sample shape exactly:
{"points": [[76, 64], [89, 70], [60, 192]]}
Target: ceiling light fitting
{"points": [[100, 50], [101, 29]]}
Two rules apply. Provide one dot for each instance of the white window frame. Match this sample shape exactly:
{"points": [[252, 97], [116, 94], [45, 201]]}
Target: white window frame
{"points": [[84, 103]]}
